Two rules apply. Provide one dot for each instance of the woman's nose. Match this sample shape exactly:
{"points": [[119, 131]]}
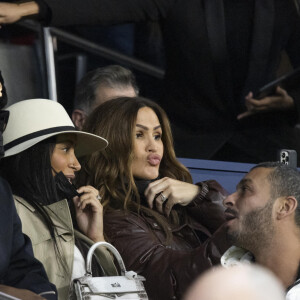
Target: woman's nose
{"points": [[74, 163], [151, 144]]}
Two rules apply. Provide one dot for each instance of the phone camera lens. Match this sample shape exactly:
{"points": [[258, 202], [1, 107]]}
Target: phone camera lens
{"points": [[283, 155]]}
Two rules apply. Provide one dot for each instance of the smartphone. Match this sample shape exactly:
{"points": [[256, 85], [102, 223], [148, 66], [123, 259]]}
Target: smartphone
{"points": [[288, 157], [289, 82]]}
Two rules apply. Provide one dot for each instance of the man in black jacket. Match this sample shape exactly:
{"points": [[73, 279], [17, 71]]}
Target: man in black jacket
{"points": [[217, 52]]}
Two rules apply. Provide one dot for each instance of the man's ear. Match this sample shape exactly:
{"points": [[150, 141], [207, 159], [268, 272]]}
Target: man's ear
{"points": [[78, 118], [286, 207]]}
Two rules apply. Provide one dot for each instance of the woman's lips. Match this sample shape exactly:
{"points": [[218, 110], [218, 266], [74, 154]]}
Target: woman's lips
{"points": [[154, 159]]}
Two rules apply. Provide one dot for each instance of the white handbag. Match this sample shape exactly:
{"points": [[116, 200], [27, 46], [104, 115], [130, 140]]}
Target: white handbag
{"points": [[128, 285]]}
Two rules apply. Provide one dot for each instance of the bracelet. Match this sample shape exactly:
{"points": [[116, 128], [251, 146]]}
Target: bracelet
{"points": [[201, 196], [204, 190]]}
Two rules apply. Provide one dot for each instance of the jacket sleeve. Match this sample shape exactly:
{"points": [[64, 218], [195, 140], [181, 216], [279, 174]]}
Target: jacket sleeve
{"points": [[207, 208], [168, 270], [22, 270], [105, 12]]}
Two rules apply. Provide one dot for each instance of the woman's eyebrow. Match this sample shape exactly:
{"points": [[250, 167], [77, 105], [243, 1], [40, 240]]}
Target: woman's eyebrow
{"points": [[146, 128], [69, 142]]}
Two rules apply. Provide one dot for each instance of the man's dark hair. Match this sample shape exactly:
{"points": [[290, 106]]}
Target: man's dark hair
{"points": [[284, 181], [113, 76]]}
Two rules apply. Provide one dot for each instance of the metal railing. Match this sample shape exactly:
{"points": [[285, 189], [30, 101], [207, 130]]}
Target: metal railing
{"points": [[47, 35]]}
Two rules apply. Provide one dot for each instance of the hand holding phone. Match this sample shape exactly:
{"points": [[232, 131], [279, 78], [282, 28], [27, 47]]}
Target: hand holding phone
{"points": [[288, 82]]}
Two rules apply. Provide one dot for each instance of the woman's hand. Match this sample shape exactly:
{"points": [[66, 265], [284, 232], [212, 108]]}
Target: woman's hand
{"points": [[89, 213], [167, 192]]}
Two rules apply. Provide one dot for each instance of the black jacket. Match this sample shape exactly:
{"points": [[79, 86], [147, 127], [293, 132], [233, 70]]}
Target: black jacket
{"points": [[197, 243], [18, 267], [200, 97]]}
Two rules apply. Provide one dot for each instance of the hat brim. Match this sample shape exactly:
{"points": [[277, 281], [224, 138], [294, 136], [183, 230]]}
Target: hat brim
{"points": [[86, 143]]}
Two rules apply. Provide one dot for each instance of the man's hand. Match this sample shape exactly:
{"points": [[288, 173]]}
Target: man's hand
{"points": [[280, 101], [20, 293], [13, 12]]}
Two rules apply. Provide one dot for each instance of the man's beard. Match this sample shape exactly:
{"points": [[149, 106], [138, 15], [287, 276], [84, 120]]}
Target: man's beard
{"points": [[256, 229]]}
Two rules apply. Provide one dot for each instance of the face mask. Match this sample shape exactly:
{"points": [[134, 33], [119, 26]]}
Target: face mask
{"points": [[65, 189]]}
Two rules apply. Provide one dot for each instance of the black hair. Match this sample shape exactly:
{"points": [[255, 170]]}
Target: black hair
{"points": [[30, 174], [284, 181]]}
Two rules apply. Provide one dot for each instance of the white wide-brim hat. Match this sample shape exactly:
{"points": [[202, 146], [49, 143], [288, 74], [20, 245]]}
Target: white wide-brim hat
{"points": [[32, 121]]}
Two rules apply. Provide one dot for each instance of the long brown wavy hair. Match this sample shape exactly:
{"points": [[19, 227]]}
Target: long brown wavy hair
{"points": [[110, 170]]}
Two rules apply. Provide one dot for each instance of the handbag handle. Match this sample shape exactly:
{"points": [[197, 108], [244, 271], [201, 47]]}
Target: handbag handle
{"points": [[112, 249]]}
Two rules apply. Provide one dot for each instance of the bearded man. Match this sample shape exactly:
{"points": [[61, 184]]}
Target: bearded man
{"points": [[263, 222]]}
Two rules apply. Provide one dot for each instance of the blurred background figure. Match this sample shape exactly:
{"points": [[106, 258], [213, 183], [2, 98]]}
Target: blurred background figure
{"points": [[99, 86], [243, 282]]}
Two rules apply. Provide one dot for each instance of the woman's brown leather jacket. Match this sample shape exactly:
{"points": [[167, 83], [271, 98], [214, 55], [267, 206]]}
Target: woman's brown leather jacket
{"points": [[196, 246]]}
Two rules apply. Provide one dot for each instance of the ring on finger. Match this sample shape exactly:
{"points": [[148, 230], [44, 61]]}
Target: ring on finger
{"points": [[163, 198], [98, 197]]}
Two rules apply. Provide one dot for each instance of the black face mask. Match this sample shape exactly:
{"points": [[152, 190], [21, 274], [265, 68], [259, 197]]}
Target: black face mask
{"points": [[65, 189]]}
